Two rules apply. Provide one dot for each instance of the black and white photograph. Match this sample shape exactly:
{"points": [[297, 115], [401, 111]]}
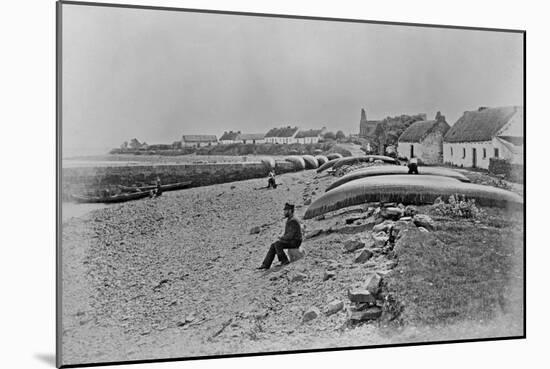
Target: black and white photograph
{"points": [[241, 184]]}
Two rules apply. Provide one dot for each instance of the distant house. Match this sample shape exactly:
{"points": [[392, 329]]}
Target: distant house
{"points": [[284, 135], [483, 134], [229, 137], [198, 140], [310, 136], [424, 139], [251, 138]]}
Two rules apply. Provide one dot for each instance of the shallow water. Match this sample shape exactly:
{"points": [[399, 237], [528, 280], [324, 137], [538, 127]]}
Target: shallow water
{"points": [[73, 210]]}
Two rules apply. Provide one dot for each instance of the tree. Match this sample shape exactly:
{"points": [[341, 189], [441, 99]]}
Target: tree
{"points": [[134, 143], [340, 135], [329, 136], [124, 145]]}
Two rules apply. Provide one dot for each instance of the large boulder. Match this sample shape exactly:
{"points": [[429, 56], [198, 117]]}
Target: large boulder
{"points": [[423, 220], [372, 283], [363, 256], [361, 295], [311, 314], [295, 254], [368, 314], [385, 226], [334, 307], [380, 239], [353, 245]]}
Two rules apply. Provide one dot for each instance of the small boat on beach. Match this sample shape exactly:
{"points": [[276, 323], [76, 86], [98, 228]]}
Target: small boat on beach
{"points": [[164, 188], [110, 199]]}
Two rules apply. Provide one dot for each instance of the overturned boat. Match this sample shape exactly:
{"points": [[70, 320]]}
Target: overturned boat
{"points": [[409, 189], [395, 170]]}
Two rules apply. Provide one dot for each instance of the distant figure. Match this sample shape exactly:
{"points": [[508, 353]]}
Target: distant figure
{"points": [[413, 165], [271, 180], [291, 239], [158, 190]]}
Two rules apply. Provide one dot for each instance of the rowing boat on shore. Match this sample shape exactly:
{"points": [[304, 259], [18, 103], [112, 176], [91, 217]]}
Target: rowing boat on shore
{"points": [[110, 199], [164, 188]]}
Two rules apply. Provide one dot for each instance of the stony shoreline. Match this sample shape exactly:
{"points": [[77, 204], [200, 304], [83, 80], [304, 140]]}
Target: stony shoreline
{"points": [[174, 276]]}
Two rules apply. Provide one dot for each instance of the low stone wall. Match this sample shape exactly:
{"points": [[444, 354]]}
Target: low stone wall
{"points": [[513, 172], [92, 179]]}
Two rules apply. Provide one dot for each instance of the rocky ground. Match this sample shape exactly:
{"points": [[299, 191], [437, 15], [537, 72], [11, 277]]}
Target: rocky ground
{"points": [[175, 276]]}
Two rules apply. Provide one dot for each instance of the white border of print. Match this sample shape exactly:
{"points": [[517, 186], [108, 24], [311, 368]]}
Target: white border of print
{"points": [[28, 185]]}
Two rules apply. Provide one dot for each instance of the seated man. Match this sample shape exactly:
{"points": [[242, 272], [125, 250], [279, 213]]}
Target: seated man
{"points": [[271, 180], [292, 239]]}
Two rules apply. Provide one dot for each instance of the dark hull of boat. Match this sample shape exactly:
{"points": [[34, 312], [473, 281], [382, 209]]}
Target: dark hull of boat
{"points": [[164, 188], [110, 199]]}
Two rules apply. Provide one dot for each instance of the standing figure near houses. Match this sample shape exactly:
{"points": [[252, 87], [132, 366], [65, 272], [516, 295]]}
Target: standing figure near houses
{"points": [[291, 239], [413, 165], [271, 180]]}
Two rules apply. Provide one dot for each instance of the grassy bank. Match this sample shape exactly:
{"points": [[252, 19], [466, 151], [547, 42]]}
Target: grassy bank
{"points": [[463, 271]]}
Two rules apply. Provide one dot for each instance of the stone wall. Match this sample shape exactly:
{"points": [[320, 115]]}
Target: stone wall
{"points": [[513, 172], [92, 179]]}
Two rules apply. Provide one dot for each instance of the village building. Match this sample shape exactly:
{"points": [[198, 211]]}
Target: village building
{"points": [[367, 127], [284, 135], [251, 138], [229, 137], [486, 133], [198, 140], [424, 139], [310, 136]]}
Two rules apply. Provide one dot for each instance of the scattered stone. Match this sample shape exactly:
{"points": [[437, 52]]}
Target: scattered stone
{"points": [[255, 230], [311, 314], [328, 275], [353, 245], [314, 233], [320, 217], [363, 256], [410, 211], [406, 219], [295, 254], [262, 314], [422, 229], [361, 295], [393, 212], [380, 239], [368, 314], [307, 202], [334, 307], [372, 283], [298, 277], [438, 201], [233, 187], [389, 205], [385, 226], [423, 220]]}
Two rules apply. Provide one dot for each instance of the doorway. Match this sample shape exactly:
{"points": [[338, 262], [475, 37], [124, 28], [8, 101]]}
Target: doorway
{"points": [[474, 157], [412, 151]]}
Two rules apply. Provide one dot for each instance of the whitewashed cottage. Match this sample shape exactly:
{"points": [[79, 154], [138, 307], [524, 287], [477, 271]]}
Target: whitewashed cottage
{"points": [[284, 135], [486, 133], [310, 136], [424, 139]]}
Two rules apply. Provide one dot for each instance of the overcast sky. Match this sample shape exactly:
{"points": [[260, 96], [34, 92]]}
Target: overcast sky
{"points": [[156, 75]]}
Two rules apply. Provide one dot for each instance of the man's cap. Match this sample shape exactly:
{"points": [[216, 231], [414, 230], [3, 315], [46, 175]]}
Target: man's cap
{"points": [[289, 206]]}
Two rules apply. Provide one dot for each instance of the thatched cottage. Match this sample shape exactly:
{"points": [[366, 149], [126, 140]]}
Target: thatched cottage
{"points": [[198, 140], [251, 138], [424, 139], [486, 133], [284, 135], [310, 136], [229, 137]]}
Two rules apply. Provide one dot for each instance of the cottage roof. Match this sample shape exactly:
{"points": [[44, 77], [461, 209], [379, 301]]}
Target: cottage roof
{"points": [[417, 131], [251, 136], [282, 132], [199, 138], [229, 136], [309, 133], [481, 125]]}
